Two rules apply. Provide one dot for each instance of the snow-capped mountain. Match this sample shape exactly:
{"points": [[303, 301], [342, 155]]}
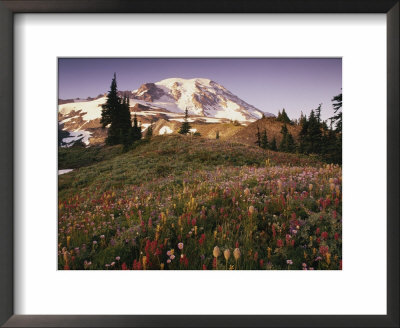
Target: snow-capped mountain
{"points": [[201, 97], [164, 101]]}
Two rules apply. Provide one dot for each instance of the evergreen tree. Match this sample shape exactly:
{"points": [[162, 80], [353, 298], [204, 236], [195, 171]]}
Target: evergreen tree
{"points": [[287, 144], [318, 113], [290, 144], [273, 144], [283, 144], [125, 123], [109, 114], [115, 114], [316, 137], [314, 134], [337, 107], [258, 135], [332, 150], [136, 130], [264, 140], [185, 127], [303, 136], [283, 117], [149, 131], [217, 135]]}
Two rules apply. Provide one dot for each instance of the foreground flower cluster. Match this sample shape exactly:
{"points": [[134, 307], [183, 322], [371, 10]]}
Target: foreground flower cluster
{"points": [[235, 218]]}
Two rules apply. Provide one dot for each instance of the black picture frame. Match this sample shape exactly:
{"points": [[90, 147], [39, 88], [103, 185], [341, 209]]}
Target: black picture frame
{"points": [[10, 7]]}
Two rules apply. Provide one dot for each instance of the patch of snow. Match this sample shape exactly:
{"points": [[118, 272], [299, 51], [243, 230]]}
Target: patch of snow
{"points": [[64, 171], [193, 130], [146, 113], [90, 109], [181, 119], [77, 135], [69, 119], [145, 126], [212, 119], [165, 130]]}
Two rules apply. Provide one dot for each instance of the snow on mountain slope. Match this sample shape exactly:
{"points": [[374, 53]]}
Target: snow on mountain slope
{"points": [[90, 109], [200, 96], [166, 100]]}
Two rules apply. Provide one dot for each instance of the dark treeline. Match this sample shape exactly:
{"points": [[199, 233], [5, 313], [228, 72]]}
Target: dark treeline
{"points": [[315, 137], [116, 115]]}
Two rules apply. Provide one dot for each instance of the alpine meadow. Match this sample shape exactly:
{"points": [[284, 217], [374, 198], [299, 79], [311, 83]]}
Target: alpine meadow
{"points": [[200, 164]]}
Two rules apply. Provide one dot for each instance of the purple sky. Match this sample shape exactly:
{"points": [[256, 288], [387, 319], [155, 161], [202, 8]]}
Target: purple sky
{"points": [[269, 84]]}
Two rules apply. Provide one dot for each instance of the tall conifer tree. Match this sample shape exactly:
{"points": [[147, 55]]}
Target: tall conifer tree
{"points": [[264, 140], [258, 135], [109, 114], [185, 127], [337, 107], [136, 131], [273, 144]]}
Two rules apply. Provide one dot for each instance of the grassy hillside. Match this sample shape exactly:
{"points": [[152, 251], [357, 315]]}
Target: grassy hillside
{"points": [[162, 156], [179, 202], [75, 157], [271, 125]]}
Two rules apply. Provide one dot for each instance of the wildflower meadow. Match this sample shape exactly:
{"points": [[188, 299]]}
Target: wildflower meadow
{"points": [[186, 203]]}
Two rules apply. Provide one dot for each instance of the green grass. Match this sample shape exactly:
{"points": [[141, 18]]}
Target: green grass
{"points": [[75, 157], [109, 167]]}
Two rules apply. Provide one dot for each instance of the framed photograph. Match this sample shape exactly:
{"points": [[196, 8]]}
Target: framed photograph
{"points": [[191, 165]]}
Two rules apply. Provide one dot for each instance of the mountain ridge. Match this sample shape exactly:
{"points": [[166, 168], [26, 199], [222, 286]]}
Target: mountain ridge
{"points": [[206, 101]]}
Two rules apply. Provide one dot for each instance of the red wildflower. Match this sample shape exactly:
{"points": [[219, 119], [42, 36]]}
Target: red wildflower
{"points": [[146, 248], [283, 200], [124, 266], [317, 231], [136, 265], [336, 236], [323, 250], [202, 239], [261, 263], [204, 267], [279, 243], [324, 235]]}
